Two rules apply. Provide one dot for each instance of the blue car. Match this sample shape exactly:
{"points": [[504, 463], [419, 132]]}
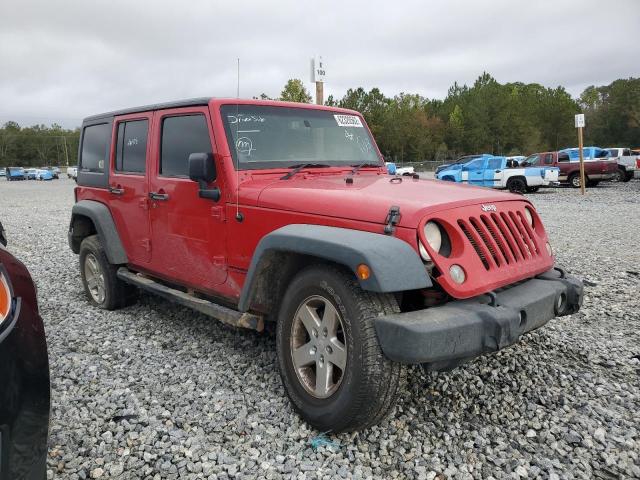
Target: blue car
{"points": [[15, 173], [502, 173], [44, 174]]}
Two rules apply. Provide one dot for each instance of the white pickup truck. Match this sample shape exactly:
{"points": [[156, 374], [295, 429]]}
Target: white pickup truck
{"points": [[628, 165]]}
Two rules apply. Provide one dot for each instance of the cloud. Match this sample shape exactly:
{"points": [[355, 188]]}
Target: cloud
{"points": [[61, 61]]}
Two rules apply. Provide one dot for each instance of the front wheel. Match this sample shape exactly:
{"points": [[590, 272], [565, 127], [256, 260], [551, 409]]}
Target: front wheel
{"points": [[619, 175], [330, 360], [574, 180]]}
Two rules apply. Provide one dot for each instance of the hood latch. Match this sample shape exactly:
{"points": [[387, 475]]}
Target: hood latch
{"points": [[393, 218]]}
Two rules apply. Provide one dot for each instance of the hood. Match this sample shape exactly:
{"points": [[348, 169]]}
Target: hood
{"points": [[368, 198]]}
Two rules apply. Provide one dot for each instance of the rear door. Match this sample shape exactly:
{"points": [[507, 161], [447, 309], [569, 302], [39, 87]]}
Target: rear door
{"points": [[128, 185], [493, 174], [187, 232]]}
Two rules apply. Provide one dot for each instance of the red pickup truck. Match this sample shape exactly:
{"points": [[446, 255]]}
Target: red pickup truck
{"points": [[595, 170], [261, 211]]}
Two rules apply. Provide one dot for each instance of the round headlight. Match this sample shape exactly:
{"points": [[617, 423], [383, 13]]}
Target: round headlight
{"points": [[457, 274], [423, 252], [433, 235], [529, 217]]}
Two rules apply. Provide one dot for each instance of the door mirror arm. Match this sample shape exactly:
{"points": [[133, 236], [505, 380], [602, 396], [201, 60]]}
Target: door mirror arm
{"points": [[208, 193]]}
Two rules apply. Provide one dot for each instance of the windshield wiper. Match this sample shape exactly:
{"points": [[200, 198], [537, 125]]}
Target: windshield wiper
{"points": [[363, 164], [297, 168]]}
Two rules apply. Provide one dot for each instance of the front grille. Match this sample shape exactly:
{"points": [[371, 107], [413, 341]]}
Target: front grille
{"points": [[501, 239]]}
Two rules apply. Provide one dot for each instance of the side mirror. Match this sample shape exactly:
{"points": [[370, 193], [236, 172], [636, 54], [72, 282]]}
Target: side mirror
{"points": [[202, 169]]}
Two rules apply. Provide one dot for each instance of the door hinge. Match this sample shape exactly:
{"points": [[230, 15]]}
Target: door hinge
{"points": [[144, 203], [220, 261], [218, 212], [146, 244]]}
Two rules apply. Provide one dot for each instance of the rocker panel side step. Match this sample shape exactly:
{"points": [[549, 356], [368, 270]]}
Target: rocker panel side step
{"points": [[219, 312]]}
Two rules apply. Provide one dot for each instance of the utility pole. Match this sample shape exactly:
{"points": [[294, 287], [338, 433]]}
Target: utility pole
{"points": [[317, 75], [66, 153], [580, 125]]}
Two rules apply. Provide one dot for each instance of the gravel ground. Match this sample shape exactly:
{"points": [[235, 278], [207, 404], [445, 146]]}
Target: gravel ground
{"points": [[156, 391]]}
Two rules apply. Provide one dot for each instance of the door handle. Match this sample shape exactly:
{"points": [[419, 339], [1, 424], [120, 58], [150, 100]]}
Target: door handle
{"points": [[116, 190], [498, 171], [158, 196]]}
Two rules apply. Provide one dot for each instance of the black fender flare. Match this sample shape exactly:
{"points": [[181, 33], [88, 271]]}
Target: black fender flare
{"points": [[105, 227], [394, 265]]}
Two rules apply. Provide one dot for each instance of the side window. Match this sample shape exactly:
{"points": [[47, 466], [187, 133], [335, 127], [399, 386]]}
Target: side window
{"points": [[563, 157], [494, 164], [182, 136], [475, 164], [131, 153], [94, 147], [548, 159]]}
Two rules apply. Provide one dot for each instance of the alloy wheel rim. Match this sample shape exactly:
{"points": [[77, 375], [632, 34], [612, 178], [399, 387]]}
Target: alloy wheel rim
{"points": [[318, 347], [576, 181], [94, 277]]}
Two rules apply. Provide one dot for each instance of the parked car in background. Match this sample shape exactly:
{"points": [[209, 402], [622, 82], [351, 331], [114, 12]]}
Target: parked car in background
{"points": [[44, 174], [461, 160], [24, 374], [55, 171], [502, 173], [30, 173], [628, 167], [15, 173], [394, 169], [361, 274], [72, 172], [596, 169], [3, 172]]}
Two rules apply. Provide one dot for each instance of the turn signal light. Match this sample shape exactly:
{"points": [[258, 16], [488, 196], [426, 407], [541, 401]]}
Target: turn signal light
{"points": [[363, 271], [5, 297]]}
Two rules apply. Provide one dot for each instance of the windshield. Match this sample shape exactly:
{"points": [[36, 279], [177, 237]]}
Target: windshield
{"points": [[276, 137]]}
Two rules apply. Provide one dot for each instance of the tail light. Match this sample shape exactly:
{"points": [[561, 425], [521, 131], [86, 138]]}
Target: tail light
{"points": [[638, 162], [6, 296]]}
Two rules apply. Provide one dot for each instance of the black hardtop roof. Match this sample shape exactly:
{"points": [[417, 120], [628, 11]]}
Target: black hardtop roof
{"points": [[191, 102]]}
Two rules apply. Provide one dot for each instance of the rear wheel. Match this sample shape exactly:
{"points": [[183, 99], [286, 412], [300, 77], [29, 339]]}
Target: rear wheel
{"points": [[619, 175], [516, 185], [331, 363], [574, 180], [101, 284]]}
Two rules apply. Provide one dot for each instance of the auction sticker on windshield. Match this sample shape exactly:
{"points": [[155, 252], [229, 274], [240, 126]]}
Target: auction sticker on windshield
{"points": [[348, 121]]}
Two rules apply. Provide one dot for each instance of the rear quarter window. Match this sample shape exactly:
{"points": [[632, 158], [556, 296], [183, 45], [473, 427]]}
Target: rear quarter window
{"points": [[95, 141]]}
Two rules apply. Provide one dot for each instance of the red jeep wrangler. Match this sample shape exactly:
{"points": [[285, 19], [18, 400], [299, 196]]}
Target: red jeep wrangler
{"points": [[254, 211]]}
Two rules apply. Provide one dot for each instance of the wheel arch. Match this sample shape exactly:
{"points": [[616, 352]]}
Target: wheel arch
{"points": [[283, 252], [89, 217]]}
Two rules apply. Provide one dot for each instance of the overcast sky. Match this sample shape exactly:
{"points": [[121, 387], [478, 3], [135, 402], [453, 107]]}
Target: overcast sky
{"points": [[62, 60]]}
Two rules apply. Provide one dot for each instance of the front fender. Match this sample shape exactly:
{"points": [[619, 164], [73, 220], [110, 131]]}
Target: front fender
{"points": [[394, 265]]}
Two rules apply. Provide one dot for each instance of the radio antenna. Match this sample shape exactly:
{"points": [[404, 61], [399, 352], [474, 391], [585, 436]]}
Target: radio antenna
{"points": [[239, 216]]}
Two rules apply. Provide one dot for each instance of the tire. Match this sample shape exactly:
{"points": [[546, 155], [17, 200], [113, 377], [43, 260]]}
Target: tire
{"points": [[532, 189], [517, 185], [574, 180], [365, 389], [619, 176], [627, 177], [448, 179], [105, 290]]}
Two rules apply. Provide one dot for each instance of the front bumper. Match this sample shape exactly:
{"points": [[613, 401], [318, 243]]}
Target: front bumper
{"points": [[445, 336]]}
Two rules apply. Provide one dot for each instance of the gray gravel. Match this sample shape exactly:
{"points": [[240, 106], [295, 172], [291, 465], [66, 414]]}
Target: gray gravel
{"points": [[157, 391]]}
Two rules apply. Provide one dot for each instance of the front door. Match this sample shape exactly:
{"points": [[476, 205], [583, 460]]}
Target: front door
{"points": [[493, 173], [476, 171], [128, 185], [187, 232]]}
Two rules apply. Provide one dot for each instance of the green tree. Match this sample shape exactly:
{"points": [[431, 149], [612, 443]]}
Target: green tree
{"points": [[294, 91]]}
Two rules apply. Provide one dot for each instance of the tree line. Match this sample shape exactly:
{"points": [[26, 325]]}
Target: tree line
{"points": [[486, 117]]}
